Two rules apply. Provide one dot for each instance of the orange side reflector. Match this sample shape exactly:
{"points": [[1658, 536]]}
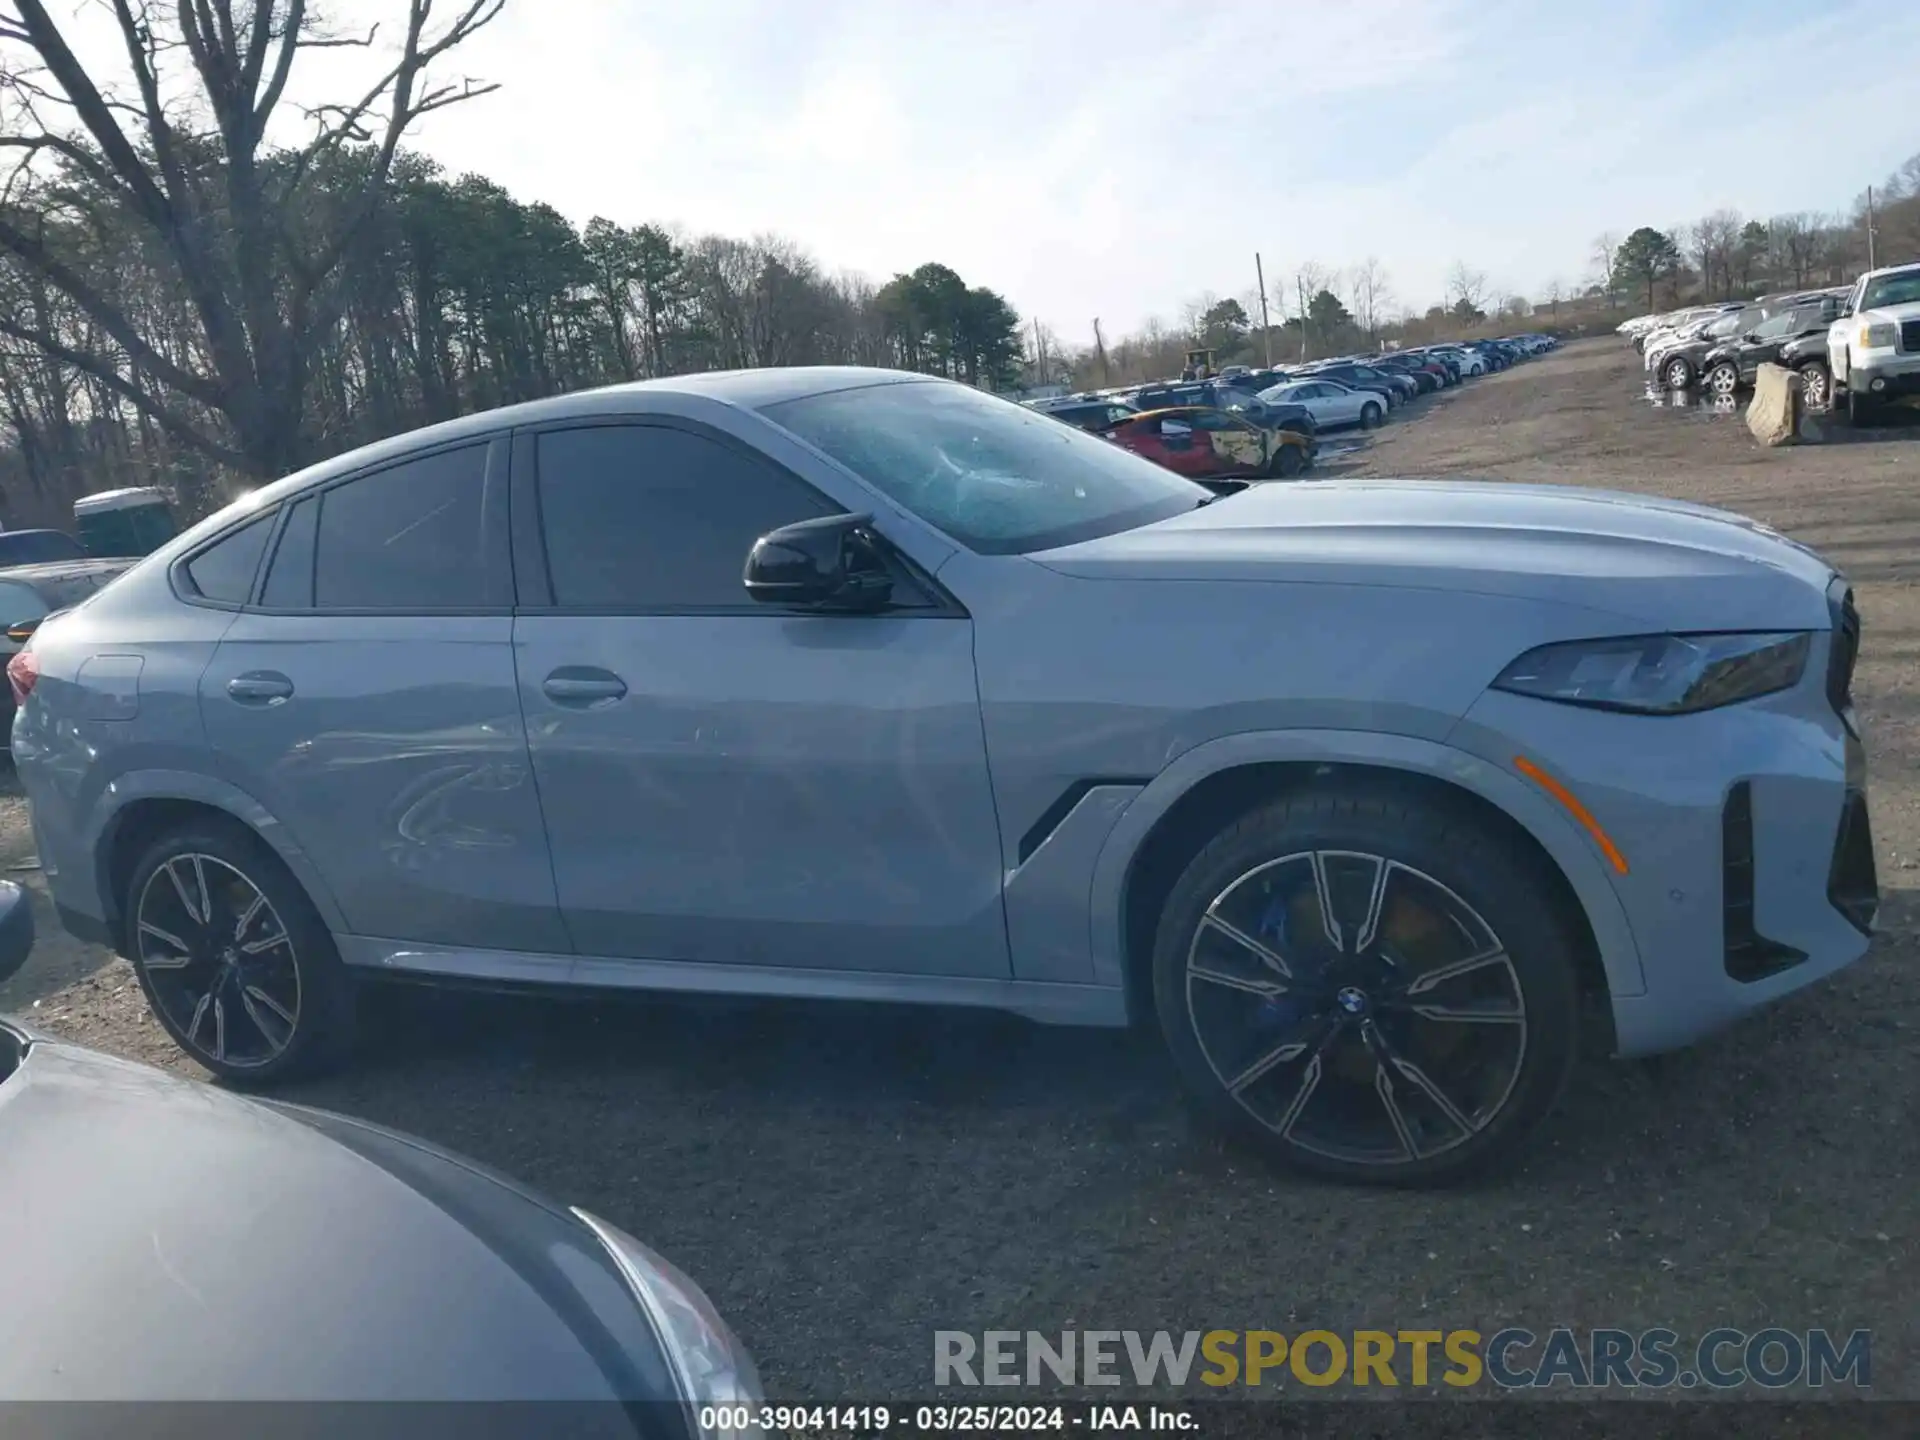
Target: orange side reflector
{"points": [[1574, 808]]}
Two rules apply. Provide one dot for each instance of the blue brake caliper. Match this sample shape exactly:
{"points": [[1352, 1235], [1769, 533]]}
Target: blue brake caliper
{"points": [[1276, 1013]]}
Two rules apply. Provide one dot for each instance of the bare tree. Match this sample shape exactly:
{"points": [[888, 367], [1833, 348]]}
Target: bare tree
{"points": [[1711, 243], [1555, 292], [1794, 245], [1369, 293], [1466, 287], [1604, 246], [173, 145]]}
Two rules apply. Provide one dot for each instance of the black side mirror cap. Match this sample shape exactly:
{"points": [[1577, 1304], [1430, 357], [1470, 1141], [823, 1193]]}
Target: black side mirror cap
{"points": [[832, 563]]}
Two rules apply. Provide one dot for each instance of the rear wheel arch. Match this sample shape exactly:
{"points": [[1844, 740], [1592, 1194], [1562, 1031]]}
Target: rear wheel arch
{"points": [[1225, 795], [158, 809]]}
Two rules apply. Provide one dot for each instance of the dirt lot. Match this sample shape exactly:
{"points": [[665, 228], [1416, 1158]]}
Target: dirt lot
{"points": [[846, 1180]]}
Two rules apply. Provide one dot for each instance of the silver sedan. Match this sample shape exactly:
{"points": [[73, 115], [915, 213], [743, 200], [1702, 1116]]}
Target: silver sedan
{"points": [[1331, 404]]}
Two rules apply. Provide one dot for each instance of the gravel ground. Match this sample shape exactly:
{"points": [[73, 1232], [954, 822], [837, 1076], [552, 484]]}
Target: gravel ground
{"points": [[846, 1180]]}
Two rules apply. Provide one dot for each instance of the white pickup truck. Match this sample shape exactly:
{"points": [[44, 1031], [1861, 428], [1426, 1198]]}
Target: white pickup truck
{"points": [[1874, 347]]}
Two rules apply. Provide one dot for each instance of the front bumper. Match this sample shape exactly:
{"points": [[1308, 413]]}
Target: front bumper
{"points": [[1747, 837], [1886, 377]]}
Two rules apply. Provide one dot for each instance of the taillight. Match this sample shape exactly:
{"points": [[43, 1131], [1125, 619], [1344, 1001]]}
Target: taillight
{"points": [[22, 671]]}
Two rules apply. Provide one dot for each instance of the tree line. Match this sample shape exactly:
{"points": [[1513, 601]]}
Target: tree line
{"points": [[183, 303], [1313, 311]]}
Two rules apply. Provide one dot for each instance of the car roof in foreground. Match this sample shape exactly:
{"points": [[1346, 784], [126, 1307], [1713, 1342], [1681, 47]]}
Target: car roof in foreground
{"points": [[276, 1253]]}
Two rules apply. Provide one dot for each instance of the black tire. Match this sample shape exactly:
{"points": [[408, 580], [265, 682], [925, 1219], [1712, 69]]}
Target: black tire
{"points": [[1722, 379], [1677, 373], [291, 1001], [1370, 415], [1288, 462], [1425, 1124], [1860, 407]]}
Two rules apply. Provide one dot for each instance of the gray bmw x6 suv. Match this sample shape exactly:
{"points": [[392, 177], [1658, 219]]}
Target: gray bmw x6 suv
{"points": [[858, 684]]}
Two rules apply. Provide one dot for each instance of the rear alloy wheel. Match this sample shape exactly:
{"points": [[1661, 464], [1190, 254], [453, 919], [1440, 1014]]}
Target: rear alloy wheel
{"points": [[1816, 384], [234, 961], [1679, 374], [1370, 416], [1372, 988], [1724, 378]]}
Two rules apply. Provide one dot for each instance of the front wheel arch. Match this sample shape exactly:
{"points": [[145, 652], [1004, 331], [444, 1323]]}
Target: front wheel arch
{"points": [[1226, 795]]}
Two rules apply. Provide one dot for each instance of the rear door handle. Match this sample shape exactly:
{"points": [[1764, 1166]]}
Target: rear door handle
{"points": [[260, 687], [583, 686]]}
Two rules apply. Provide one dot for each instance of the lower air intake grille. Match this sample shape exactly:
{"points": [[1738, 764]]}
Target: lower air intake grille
{"points": [[1749, 954], [1853, 884]]}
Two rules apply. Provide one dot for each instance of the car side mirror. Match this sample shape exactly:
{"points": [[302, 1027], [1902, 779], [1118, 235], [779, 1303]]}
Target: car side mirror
{"points": [[21, 631], [833, 563]]}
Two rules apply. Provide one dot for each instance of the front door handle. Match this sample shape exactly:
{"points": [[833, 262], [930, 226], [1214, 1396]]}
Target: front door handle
{"points": [[583, 686], [260, 687]]}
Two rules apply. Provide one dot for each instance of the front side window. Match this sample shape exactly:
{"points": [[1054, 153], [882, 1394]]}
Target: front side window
{"points": [[996, 478], [410, 538], [654, 519]]}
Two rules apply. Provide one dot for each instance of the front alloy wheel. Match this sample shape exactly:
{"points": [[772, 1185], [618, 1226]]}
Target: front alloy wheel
{"points": [[1816, 384], [1332, 987]]}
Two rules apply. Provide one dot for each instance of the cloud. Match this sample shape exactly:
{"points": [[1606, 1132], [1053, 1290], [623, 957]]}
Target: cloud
{"points": [[1118, 158]]}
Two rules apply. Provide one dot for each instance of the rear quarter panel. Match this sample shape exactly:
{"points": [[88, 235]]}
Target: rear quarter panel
{"points": [[81, 765]]}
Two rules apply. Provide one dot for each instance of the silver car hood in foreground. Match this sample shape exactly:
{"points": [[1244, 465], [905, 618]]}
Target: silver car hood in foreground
{"points": [[1666, 563], [163, 1240]]}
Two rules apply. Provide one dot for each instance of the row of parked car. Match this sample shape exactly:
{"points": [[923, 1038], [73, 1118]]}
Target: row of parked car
{"points": [[1246, 423], [1854, 346]]}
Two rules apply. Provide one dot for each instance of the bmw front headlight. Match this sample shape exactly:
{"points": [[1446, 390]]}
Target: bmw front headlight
{"points": [[1660, 674], [711, 1368]]}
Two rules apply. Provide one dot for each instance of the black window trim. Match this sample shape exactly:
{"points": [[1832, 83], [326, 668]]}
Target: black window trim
{"points": [[181, 583], [533, 584], [495, 499]]}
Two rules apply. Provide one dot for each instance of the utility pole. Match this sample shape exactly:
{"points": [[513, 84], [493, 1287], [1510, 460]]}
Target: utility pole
{"points": [[1300, 289], [1100, 350], [1870, 264], [1266, 325]]}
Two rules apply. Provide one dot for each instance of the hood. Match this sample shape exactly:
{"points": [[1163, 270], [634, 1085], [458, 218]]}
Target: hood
{"points": [[168, 1240], [1906, 310], [1660, 563]]}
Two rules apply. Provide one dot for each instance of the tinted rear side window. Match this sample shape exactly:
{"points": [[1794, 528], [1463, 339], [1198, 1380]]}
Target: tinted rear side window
{"points": [[224, 571], [290, 573], [643, 517], [413, 537]]}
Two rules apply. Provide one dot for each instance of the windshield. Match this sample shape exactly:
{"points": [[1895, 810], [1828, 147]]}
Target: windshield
{"points": [[1900, 289], [38, 547], [999, 479]]}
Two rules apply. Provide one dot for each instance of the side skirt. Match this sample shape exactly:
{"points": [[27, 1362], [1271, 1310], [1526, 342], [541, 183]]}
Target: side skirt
{"points": [[1045, 1001]]}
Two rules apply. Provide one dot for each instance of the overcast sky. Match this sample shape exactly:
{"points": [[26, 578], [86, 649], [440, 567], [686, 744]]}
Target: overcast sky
{"points": [[1114, 159]]}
